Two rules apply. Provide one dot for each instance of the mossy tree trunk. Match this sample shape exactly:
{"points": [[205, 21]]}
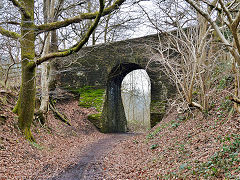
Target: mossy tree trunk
{"points": [[26, 102]]}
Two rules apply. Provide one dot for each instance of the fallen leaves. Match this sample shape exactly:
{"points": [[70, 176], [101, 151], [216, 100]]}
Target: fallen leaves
{"points": [[168, 152], [58, 146]]}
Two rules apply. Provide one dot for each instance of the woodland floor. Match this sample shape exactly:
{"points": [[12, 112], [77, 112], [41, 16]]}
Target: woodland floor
{"points": [[174, 149], [61, 152]]}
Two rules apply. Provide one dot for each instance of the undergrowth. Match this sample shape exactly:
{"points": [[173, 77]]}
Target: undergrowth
{"points": [[223, 163]]}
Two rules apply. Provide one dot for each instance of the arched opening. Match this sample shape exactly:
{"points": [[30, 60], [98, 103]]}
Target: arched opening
{"points": [[113, 115], [136, 98]]}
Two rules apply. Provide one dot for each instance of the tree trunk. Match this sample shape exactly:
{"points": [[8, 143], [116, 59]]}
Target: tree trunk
{"points": [[45, 73], [203, 24], [236, 86], [53, 63], [26, 101], [106, 28]]}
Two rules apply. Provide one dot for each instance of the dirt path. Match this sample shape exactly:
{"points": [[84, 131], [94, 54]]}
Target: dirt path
{"points": [[88, 165]]}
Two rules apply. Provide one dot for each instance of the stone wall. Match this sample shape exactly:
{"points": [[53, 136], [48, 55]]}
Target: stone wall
{"points": [[99, 65]]}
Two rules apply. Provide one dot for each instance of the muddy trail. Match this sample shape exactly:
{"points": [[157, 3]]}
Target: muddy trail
{"points": [[88, 166]]}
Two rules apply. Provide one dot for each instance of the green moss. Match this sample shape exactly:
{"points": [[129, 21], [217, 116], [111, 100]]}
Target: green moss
{"points": [[96, 120], [34, 144], [91, 97], [9, 33], [16, 107], [158, 110], [28, 135], [158, 106]]}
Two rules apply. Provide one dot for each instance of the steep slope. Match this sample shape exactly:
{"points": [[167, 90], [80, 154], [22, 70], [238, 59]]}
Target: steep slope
{"points": [[182, 146], [190, 145], [58, 146]]}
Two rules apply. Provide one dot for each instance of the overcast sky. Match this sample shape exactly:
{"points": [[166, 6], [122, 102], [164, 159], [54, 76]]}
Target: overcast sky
{"points": [[145, 28]]}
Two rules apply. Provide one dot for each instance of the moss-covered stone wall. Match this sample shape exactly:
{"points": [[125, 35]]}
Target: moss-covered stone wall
{"points": [[94, 66]]}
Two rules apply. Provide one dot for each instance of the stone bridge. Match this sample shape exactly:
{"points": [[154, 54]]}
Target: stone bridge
{"points": [[106, 65]]}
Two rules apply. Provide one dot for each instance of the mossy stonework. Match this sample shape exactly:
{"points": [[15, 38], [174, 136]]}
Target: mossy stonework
{"points": [[92, 96], [105, 65]]}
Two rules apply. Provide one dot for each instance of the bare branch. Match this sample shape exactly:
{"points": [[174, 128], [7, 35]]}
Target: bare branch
{"points": [[76, 19], [231, 4], [78, 46], [10, 34], [21, 8], [235, 34], [229, 16], [235, 23], [234, 99], [213, 5], [72, 5], [208, 18], [13, 63], [194, 104], [10, 22], [150, 20]]}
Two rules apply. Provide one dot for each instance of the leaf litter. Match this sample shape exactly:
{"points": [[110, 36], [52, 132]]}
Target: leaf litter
{"points": [[171, 150]]}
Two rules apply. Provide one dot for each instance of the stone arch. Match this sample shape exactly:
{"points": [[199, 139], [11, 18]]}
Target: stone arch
{"points": [[114, 119], [107, 64]]}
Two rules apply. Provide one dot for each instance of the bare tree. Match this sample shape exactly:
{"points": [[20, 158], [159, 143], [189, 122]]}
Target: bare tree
{"points": [[227, 20], [26, 34], [48, 12], [9, 50], [185, 50], [189, 63], [117, 25]]}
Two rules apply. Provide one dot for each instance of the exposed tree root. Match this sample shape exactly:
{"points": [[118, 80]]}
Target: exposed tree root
{"points": [[234, 99], [16, 107], [41, 116], [60, 116], [28, 135], [194, 104]]}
